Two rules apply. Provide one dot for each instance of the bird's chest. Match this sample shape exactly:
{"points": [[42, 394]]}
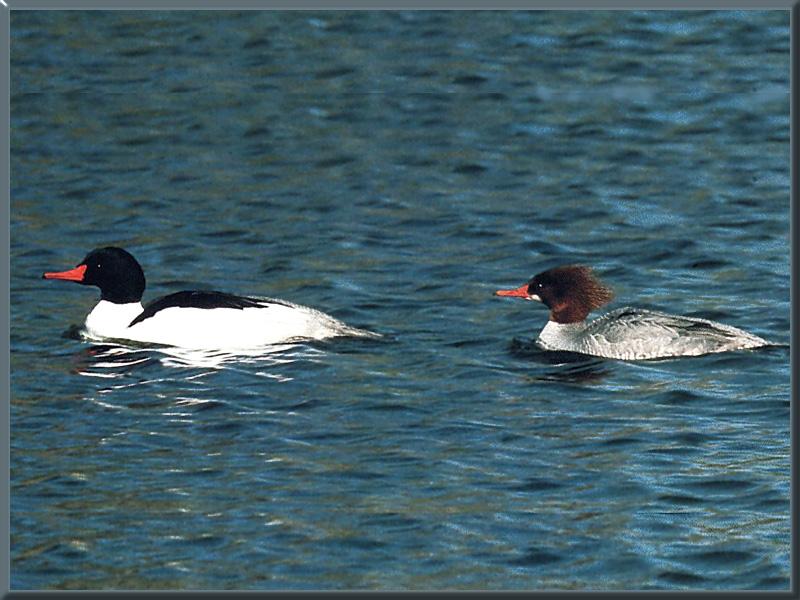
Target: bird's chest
{"points": [[558, 336], [108, 319]]}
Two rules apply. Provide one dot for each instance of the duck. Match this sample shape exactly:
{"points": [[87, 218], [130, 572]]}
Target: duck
{"points": [[195, 319], [571, 292]]}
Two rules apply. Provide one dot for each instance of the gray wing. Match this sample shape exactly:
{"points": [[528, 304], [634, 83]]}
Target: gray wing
{"points": [[646, 332]]}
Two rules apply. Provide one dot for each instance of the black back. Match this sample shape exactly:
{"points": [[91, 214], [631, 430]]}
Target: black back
{"points": [[198, 299]]}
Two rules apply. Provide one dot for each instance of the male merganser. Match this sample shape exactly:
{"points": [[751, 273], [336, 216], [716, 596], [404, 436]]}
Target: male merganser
{"points": [[571, 292], [191, 319]]}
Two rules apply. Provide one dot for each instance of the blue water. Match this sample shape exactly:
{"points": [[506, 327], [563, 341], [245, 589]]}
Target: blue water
{"points": [[394, 169]]}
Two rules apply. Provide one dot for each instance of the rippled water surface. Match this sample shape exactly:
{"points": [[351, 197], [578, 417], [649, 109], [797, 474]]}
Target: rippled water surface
{"points": [[394, 169]]}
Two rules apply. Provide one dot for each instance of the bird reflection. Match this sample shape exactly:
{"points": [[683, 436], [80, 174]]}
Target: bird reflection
{"points": [[569, 367], [116, 360], [108, 360]]}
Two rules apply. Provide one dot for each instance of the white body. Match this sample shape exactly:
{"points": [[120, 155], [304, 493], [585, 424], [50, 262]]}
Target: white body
{"points": [[635, 334], [217, 328]]}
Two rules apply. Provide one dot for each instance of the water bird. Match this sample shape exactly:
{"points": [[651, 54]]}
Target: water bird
{"points": [[191, 319], [571, 292]]}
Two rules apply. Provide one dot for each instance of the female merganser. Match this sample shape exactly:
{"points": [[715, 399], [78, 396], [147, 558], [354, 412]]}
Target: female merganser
{"points": [[191, 319], [571, 292]]}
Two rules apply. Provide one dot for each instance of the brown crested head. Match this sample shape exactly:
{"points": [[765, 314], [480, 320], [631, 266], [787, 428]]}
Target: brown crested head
{"points": [[571, 292]]}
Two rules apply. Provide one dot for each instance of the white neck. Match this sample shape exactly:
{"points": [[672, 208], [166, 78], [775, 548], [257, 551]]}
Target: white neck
{"points": [[110, 320], [562, 336]]}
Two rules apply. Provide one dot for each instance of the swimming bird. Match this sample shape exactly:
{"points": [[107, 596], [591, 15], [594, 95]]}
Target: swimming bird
{"points": [[190, 319], [571, 292]]}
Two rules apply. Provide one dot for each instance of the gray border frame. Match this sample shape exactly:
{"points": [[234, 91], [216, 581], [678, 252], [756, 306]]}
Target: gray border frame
{"points": [[6, 6]]}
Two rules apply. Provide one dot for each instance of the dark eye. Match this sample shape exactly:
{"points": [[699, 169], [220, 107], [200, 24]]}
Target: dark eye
{"points": [[539, 285], [98, 265]]}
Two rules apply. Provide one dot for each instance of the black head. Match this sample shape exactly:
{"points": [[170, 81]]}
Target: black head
{"points": [[114, 270]]}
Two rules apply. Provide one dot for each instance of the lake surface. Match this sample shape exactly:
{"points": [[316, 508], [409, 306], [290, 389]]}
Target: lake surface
{"points": [[394, 169]]}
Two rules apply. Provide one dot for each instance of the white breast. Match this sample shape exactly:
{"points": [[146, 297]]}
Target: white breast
{"points": [[110, 320], [215, 328]]}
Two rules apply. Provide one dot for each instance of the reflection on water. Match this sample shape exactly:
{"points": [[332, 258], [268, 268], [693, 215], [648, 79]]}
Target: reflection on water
{"points": [[591, 371], [180, 381], [94, 360], [569, 367], [115, 360]]}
